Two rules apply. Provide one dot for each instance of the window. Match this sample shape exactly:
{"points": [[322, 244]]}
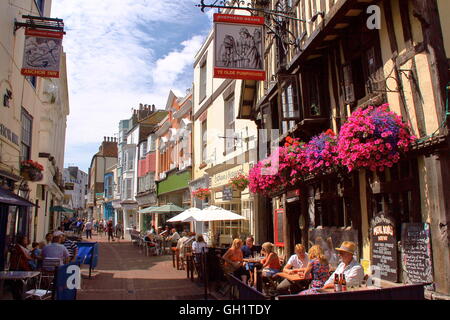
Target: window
{"points": [[203, 80], [40, 4], [229, 125], [204, 141], [32, 80], [27, 124], [315, 95], [143, 149], [278, 217], [289, 106], [129, 188]]}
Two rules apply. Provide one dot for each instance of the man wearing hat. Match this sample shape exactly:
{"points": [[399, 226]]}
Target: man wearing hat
{"points": [[353, 271]]}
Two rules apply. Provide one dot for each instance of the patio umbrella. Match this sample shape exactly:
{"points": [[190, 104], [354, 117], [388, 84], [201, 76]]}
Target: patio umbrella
{"points": [[147, 210], [213, 213], [184, 215], [168, 208], [61, 209]]}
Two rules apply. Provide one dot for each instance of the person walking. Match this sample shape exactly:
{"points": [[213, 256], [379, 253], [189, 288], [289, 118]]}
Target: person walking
{"points": [[110, 230], [88, 227], [119, 230]]}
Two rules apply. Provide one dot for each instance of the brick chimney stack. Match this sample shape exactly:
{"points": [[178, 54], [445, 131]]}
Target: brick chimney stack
{"points": [[109, 147]]}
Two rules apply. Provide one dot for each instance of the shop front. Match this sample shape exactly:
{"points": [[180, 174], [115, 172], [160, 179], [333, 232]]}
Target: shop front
{"points": [[228, 197]]}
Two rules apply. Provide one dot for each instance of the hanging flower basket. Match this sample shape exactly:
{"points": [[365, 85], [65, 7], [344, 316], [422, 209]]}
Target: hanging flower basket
{"points": [[320, 154], [373, 138], [31, 170], [240, 182], [202, 193]]}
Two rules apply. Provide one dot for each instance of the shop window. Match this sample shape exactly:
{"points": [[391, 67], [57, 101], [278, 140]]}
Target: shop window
{"points": [[397, 194], [27, 125]]}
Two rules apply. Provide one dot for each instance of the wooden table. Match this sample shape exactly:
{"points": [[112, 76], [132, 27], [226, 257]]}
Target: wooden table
{"points": [[296, 277]]}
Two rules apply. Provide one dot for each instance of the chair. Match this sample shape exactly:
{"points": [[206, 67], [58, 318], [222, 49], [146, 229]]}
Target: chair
{"points": [[44, 287], [49, 264]]}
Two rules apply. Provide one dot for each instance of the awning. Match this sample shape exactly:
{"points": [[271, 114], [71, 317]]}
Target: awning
{"points": [[168, 208], [61, 209], [8, 197]]}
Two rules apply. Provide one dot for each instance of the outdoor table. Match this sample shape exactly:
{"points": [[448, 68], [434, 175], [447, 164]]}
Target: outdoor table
{"points": [[23, 276], [296, 277]]}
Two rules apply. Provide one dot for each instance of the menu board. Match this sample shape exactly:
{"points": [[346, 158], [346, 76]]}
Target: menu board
{"points": [[384, 247], [416, 253], [227, 193]]}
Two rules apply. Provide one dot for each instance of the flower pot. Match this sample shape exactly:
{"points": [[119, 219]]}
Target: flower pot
{"points": [[31, 174]]}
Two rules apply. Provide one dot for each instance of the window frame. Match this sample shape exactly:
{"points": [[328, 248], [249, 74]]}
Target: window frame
{"points": [[27, 116], [229, 127], [203, 79], [204, 140]]}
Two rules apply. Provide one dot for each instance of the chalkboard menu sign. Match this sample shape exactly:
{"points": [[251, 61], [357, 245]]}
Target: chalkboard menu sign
{"points": [[416, 253], [227, 193], [384, 247]]}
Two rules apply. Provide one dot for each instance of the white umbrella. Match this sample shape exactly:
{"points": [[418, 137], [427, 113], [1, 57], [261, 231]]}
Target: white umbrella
{"points": [[213, 213], [184, 215]]}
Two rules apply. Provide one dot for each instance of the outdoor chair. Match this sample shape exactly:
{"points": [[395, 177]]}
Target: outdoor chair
{"points": [[43, 287], [49, 264]]}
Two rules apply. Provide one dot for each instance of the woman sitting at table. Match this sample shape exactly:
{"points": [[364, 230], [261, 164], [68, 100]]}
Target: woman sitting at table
{"points": [[270, 264], [319, 269], [234, 261], [297, 263], [21, 256]]}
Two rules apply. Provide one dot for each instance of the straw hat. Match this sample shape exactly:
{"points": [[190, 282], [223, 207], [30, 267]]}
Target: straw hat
{"points": [[347, 246]]}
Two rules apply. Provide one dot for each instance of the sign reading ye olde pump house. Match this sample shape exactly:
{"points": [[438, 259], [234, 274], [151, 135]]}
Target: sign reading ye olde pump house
{"points": [[238, 47]]}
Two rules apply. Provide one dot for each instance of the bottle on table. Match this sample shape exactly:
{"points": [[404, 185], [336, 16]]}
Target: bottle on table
{"points": [[337, 284], [343, 283]]}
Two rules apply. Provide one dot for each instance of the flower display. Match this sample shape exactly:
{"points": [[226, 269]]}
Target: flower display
{"points": [[373, 138], [31, 164], [320, 154], [201, 193], [240, 182], [31, 170]]}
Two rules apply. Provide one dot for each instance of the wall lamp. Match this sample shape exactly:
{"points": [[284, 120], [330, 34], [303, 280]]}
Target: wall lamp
{"points": [[314, 17]]}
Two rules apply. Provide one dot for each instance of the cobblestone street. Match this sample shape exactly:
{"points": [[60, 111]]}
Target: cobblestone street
{"points": [[125, 273]]}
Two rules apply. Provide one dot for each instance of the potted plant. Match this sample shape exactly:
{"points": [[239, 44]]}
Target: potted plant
{"points": [[320, 154], [373, 138], [202, 193], [240, 182], [31, 170]]}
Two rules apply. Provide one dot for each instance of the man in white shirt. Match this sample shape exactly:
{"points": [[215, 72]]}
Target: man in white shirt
{"points": [[297, 262], [56, 250], [174, 237], [353, 271]]}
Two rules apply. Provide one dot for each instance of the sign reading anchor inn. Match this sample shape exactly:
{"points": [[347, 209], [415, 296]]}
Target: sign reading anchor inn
{"points": [[42, 53], [238, 47]]}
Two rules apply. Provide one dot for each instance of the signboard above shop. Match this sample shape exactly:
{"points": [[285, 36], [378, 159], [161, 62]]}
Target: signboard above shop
{"points": [[42, 53], [239, 47]]}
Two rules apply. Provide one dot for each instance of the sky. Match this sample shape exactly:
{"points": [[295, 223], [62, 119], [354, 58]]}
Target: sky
{"points": [[121, 53]]}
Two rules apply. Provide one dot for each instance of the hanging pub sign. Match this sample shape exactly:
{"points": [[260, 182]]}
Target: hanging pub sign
{"points": [[384, 247], [238, 47], [42, 53]]}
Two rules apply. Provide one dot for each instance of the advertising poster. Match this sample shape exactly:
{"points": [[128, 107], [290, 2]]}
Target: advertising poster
{"points": [[42, 53], [239, 47]]}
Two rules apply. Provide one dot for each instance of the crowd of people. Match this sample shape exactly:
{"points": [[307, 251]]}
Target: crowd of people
{"points": [[101, 227], [244, 261]]}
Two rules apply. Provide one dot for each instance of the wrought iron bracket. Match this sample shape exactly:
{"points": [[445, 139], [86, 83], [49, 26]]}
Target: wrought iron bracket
{"points": [[34, 22]]}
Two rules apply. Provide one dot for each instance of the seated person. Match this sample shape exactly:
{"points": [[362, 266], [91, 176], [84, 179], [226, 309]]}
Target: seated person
{"points": [[318, 267], [296, 263], [353, 271], [174, 237], [270, 264], [248, 250], [234, 261], [199, 245], [20, 256], [70, 245], [56, 250]]}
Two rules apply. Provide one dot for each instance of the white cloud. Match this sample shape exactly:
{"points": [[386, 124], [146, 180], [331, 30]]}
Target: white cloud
{"points": [[115, 62]]}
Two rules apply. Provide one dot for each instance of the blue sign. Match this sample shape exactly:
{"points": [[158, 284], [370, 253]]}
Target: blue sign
{"points": [[68, 279]]}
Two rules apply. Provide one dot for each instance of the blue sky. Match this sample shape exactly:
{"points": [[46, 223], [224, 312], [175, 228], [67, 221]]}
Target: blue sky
{"points": [[121, 53]]}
